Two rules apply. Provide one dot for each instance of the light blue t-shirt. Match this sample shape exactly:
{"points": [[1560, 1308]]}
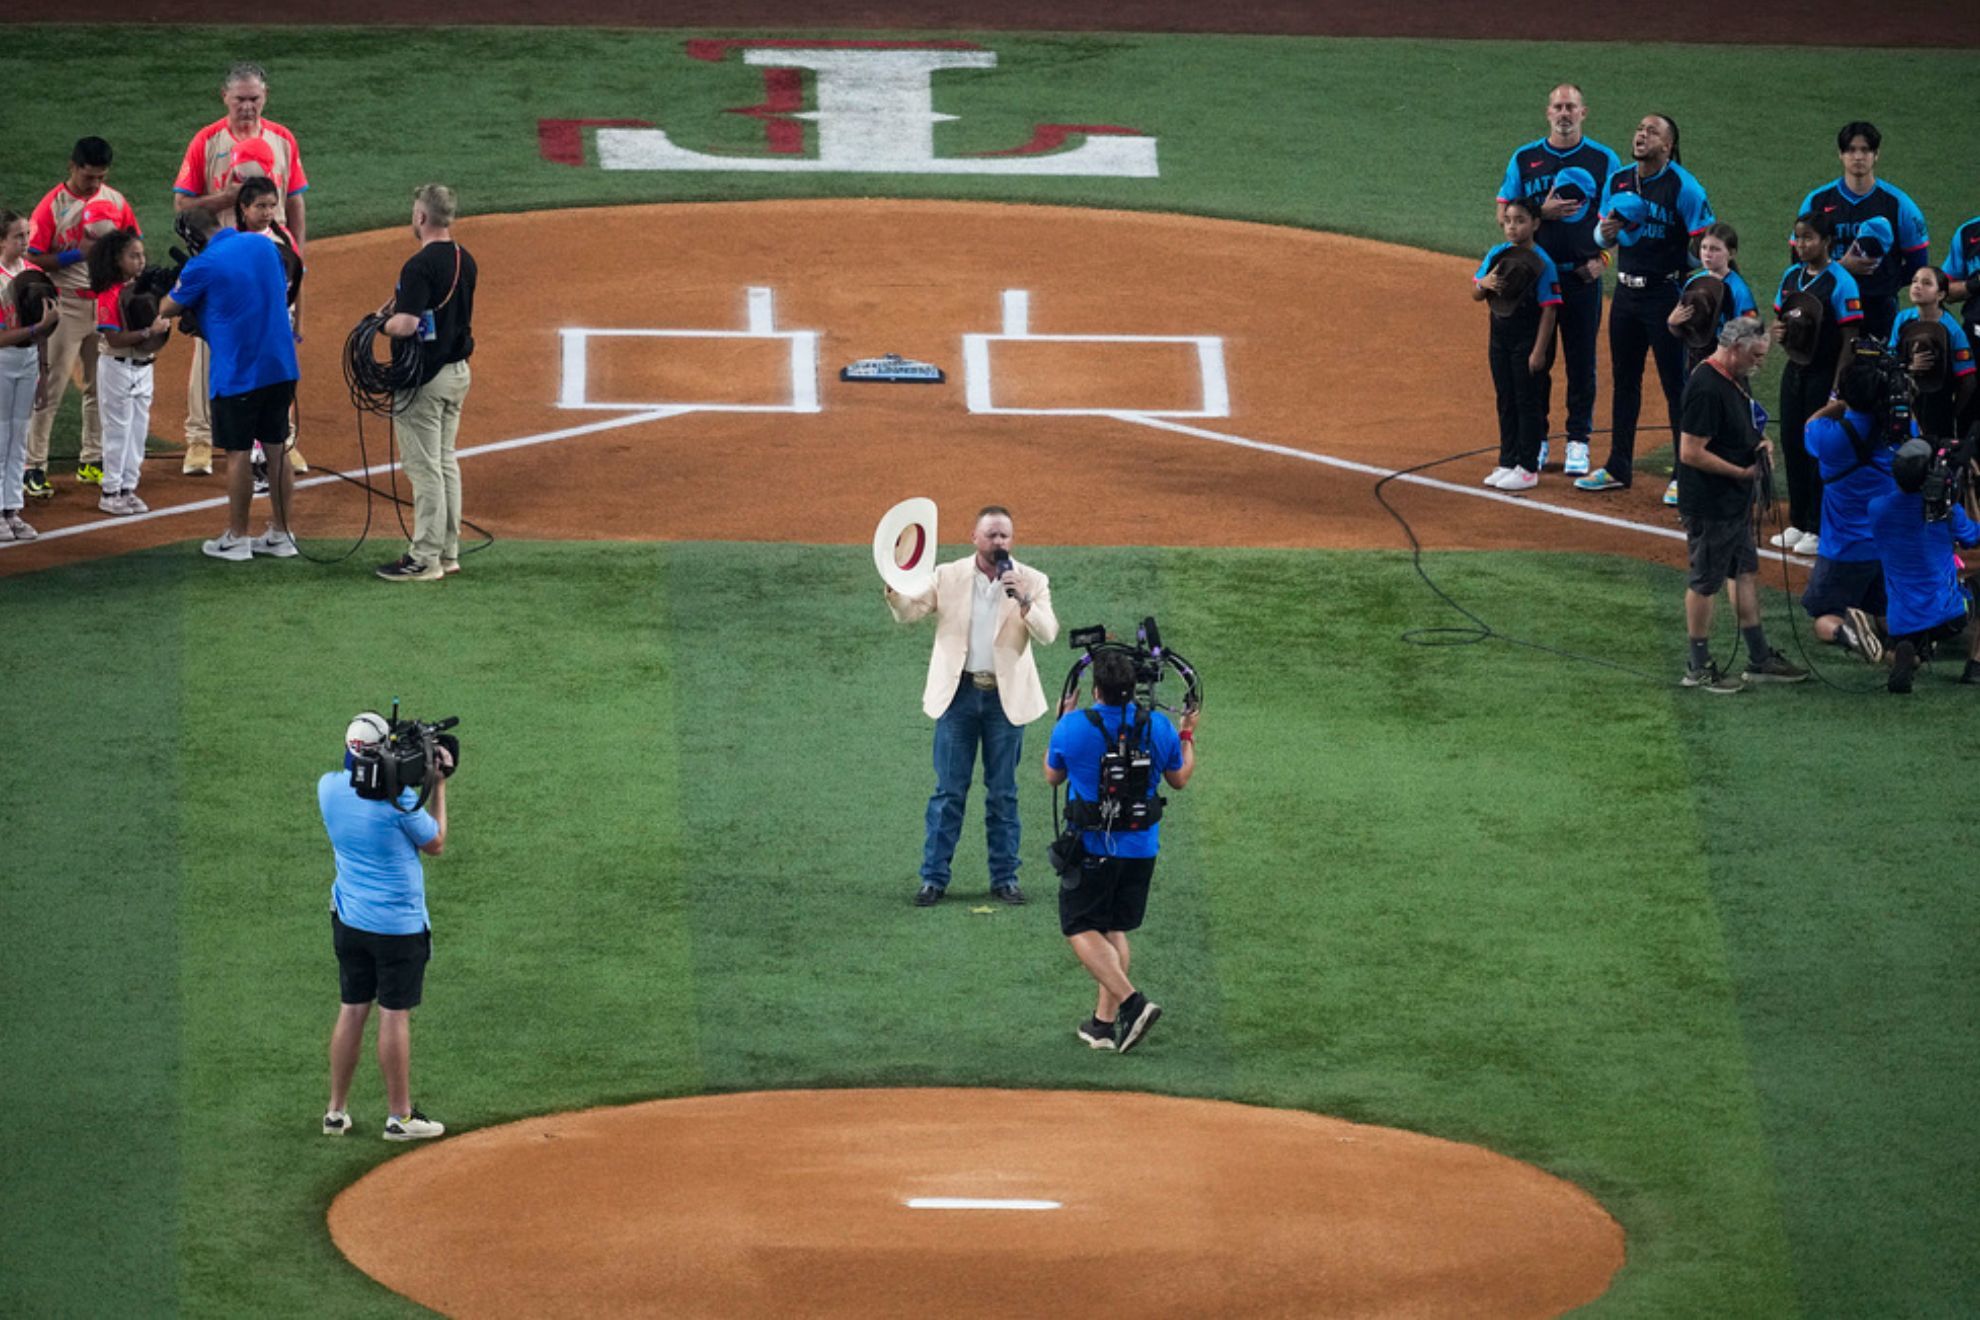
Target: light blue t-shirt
{"points": [[1077, 748], [380, 884]]}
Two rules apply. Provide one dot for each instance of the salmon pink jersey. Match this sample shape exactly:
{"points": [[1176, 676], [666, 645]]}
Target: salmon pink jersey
{"points": [[59, 222], [10, 314], [209, 163]]}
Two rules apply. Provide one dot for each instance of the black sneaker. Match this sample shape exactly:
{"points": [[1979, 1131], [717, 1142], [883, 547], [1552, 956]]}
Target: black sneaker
{"points": [[1774, 669], [1137, 1015], [1711, 679], [1008, 894], [34, 482], [928, 896], [407, 569], [1904, 663], [1098, 1035]]}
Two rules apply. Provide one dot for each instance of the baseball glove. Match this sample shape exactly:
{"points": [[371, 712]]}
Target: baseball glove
{"points": [[1705, 295], [1921, 336], [33, 294], [1519, 270], [1802, 314]]}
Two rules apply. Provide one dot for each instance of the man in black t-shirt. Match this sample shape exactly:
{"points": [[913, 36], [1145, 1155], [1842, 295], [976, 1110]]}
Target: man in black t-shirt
{"points": [[1721, 456], [435, 304]]}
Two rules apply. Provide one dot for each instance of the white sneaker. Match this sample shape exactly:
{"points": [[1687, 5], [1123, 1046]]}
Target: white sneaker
{"points": [[21, 531], [1545, 449], [136, 505], [1671, 493], [238, 549], [413, 1127], [1786, 540], [1519, 479], [113, 503], [1497, 475], [1577, 459], [449, 567], [336, 1123], [276, 545], [1809, 544]]}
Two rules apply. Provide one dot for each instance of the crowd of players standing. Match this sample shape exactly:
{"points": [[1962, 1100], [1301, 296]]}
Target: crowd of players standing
{"points": [[1857, 241]]}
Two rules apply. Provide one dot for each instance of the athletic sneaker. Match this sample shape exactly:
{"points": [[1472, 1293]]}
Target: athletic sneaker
{"points": [[1137, 1015], [1600, 479], [21, 531], [112, 502], [449, 567], [1775, 669], [34, 483], [413, 1127], [1541, 466], [1497, 475], [1786, 539], [297, 463], [1711, 679], [1577, 459], [1671, 493], [137, 505], [1809, 544], [274, 544], [89, 473], [407, 569], [1904, 663], [1098, 1035], [238, 549], [1859, 634], [336, 1123], [1519, 479], [260, 471]]}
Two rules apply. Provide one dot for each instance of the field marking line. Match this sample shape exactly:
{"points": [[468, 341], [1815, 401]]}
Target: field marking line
{"points": [[760, 318], [977, 1203], [1418, 479], [375, 469], [1016, 304]]}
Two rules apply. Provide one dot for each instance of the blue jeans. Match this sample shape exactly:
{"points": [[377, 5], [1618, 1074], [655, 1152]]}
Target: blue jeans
{"points": [[974, 717]]}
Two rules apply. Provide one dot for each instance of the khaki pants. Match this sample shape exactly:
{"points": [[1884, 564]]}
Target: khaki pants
{"points": [[426, 431], [199, 416], [74, 340]]}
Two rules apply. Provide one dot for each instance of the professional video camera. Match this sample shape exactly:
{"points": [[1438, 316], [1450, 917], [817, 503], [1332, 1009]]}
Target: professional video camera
{"points": [[1127, 768], [1897, 391], [195, 243], [1950, 475], [404, 759]]}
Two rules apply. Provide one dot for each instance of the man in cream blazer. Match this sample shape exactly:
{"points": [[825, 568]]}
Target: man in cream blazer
{"points": [[982, 690]]}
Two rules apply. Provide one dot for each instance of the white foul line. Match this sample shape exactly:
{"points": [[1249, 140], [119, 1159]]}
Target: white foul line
{"points": [[1415, 479], [1017, 313], [976, 1203], [376, 469]]}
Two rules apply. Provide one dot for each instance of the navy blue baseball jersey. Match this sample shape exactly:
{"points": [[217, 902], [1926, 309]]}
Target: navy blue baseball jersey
{"points": [[1530, 174], [1675, 209], [1739, 296], [1847, 211], [1545, 293], [1836, 288]]}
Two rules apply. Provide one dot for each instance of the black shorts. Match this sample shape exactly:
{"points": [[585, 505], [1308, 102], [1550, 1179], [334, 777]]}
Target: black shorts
{"points": [[1108, 893], [261, 414], [1950, 630], [388, 968], [1835, 585], [1720, 548]]}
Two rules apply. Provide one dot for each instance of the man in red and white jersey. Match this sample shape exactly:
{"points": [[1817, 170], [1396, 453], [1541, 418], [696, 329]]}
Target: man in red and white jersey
{"points": [[239, 146], [75, 213]]}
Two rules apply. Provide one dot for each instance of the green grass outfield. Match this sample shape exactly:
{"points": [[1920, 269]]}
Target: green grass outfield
{"points": [[1712, 959], [1582, 918]]}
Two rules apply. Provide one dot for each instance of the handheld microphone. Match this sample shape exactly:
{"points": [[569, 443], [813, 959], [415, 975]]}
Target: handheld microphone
{"points": [[1002, 558]]}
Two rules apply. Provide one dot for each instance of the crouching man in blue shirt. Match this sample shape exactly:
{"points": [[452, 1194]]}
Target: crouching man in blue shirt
{"points": [[1928, 602], [378, 927], [1105, 897]]}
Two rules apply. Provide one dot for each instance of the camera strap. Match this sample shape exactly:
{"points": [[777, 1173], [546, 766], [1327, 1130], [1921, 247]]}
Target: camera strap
{"points": [[1860, 444]]}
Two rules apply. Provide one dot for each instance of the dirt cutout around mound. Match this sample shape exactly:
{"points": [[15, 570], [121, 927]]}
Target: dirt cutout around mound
{"points": [[844, 1203], [1155, 379]]}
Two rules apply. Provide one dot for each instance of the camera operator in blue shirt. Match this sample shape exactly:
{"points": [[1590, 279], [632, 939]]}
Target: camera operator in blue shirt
{"points": [[378, 925], [1850, 443], [1928, 602], [1106, 896]]}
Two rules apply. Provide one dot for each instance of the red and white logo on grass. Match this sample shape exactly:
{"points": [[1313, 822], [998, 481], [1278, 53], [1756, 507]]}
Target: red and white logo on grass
{"points": [[873, 111]]}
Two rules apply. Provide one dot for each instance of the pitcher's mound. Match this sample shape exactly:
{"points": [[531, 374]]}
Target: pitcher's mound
{"points": [[970, 1203]]}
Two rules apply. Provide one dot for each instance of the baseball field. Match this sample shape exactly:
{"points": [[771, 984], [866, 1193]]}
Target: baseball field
{"points": [[1500, 977]]}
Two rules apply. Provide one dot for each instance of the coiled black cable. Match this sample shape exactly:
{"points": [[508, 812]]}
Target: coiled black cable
{"points": [[382, 389]]}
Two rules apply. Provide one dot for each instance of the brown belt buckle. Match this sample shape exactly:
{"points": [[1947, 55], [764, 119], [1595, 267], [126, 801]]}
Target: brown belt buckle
{"points": [[985, 682]]}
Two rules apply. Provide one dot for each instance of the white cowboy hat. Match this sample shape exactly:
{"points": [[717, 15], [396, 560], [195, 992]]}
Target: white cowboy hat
{"points": [[904, 546]]}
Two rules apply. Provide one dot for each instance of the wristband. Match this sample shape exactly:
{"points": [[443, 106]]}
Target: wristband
{"points": [[1187, 735], [68, 257]]}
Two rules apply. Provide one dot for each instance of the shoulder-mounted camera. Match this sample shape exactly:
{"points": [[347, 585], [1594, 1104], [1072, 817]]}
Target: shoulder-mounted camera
{"points": [[404, 759]]}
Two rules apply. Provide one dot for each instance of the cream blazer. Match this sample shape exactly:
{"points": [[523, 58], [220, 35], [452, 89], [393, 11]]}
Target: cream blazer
{"points": [[948, 596]]}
